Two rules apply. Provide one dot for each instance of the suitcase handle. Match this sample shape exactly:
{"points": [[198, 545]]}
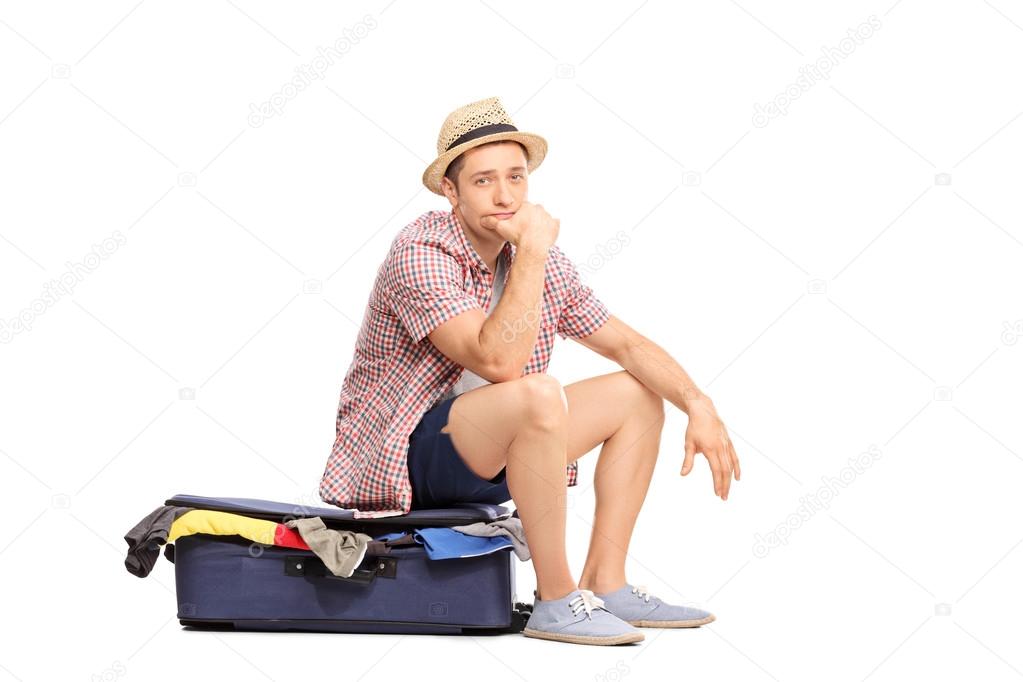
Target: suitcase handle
{"points": [[313, 567]]}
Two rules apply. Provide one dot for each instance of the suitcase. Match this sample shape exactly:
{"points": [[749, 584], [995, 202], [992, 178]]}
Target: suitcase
{"points": [[228, 582]]}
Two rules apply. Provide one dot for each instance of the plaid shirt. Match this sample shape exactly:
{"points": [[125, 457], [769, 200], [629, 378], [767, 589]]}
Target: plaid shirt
{"points": [[431, 273]]}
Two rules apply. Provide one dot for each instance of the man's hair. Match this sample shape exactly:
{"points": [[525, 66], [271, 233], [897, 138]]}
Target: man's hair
{"points": [[455, 167]]}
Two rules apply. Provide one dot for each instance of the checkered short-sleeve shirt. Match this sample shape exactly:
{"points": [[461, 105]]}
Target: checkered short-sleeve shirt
{"points": [[431, 274]]}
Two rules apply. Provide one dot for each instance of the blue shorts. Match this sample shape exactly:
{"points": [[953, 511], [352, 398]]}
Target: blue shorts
{"points": [[438, 474]]}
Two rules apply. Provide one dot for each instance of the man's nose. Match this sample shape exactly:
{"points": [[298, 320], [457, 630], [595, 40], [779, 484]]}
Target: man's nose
{"points": [[504, 195]]}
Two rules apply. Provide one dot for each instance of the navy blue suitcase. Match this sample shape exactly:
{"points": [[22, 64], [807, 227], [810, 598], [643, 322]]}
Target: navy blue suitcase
{"points": [[226, 582]]}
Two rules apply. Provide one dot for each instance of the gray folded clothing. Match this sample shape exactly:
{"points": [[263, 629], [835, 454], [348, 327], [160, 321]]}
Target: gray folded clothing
{"points": [[145, 538], [510, 527], [341, 551]]}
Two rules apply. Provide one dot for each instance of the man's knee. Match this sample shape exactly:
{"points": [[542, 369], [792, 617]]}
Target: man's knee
{"points": [[543, 400], [644, 401]]}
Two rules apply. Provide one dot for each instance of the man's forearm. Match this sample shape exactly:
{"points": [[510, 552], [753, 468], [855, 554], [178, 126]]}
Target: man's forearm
{"points": [[659, 372], [510, 331]]}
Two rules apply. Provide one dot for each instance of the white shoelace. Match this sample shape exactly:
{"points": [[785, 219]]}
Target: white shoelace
{"points": [[586, 600], [642, 591]]}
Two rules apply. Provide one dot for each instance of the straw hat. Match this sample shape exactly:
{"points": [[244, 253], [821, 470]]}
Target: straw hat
{"points": [[475, 124]]}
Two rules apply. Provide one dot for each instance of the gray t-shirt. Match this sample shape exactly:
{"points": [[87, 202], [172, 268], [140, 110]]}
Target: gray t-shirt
{"points": [[469, 379]]}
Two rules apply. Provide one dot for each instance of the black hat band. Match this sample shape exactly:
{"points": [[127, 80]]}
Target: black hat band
{"points": [[483, 131]]}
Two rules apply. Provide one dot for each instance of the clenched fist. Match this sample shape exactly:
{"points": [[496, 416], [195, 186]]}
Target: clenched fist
{"points": [[531, 227]]}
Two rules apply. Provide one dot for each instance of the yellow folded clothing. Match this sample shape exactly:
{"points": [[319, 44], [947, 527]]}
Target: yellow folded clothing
{"points": [[223, 523]]}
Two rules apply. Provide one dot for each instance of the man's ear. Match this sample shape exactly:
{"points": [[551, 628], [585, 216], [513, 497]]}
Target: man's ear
{"points": [[449, 190]]}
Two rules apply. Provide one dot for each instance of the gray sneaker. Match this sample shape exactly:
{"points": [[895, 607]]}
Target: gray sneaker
{"points": [[636, 606], [578, 618]]}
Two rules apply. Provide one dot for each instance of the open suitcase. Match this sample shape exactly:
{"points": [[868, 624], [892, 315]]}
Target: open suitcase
{"points": [[227, 582]]}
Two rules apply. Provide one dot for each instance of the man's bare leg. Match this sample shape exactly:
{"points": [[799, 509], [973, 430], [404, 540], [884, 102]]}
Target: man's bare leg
{"points": [[523, 424], [627, 417]]}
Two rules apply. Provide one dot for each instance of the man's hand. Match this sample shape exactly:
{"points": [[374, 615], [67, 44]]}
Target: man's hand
{"points": [[706, 433], [531, 227]]}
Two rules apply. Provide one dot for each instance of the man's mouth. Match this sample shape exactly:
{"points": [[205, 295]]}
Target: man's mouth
{"points": [[500, 216]]}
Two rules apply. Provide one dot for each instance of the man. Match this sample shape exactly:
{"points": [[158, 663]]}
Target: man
{"points": [[447, 399]]}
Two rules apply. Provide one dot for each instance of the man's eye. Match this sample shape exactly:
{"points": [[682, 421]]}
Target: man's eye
{"points": [[517, 175]]}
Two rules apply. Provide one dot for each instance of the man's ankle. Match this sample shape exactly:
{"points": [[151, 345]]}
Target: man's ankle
{"points": [[554, 593], [602, 585]]}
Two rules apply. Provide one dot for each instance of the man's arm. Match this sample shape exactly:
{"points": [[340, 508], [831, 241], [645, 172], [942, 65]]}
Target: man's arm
{"points": [[503, 342], [659, 372], [646, 361], [498, 346]]}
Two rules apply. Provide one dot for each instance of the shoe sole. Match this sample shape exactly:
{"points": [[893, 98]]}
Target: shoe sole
{"points": [[626, 638], [671, 623]]}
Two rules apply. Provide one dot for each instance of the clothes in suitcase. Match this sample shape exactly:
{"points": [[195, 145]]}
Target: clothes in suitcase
{"points": [[239, 564]]}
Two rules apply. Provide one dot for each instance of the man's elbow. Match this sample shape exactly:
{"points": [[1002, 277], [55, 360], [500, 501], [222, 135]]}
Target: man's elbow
{"points": [[501, 370], [498, 367]]}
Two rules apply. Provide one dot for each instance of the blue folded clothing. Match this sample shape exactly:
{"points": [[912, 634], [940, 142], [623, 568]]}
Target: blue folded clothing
{"points": [[444, 543]]}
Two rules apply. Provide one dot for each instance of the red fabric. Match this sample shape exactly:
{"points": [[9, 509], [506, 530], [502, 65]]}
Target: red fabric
{"points": [[431, 274], [288, 537]]}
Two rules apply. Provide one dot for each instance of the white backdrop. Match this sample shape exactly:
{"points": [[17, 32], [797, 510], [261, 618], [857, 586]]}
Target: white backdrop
{"points": [[813, 207]]}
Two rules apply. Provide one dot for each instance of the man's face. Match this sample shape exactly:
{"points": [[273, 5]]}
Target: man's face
{"points": [[492, 180]]}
